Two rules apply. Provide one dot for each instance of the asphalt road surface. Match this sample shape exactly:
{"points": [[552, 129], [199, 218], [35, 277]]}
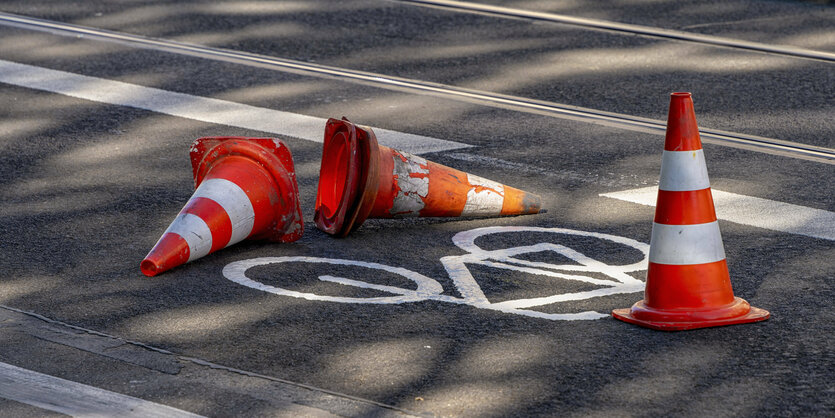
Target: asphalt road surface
{"points": [[568, 100]]}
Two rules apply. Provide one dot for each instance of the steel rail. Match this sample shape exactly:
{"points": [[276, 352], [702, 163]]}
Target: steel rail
{"points": [[762, 144], [785, 50]]}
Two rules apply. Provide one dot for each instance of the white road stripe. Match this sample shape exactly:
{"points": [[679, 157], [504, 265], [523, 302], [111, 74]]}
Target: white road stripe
{"points": [[683, 171], [200, 108], [724, 138], [686, 244], [75, 399], [753, 211]]}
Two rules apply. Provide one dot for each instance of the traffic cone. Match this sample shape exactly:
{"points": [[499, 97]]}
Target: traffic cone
{"points": [[245, 188], [688, 285], [360, 179]]}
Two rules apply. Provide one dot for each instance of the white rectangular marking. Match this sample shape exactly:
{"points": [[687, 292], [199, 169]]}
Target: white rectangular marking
{"points": [[75, 399], [753, 211], [200, 108]]}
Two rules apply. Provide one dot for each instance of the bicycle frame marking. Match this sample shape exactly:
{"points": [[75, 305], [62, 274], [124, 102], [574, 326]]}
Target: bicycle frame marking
{"points": [[466, 284]]}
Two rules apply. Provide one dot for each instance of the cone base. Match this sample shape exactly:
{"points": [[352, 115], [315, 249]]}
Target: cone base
{"points": [[739, 312], [275, 158]]}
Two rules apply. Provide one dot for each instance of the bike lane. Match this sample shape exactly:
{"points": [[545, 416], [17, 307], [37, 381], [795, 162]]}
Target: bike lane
{"points": [[478, 340]]}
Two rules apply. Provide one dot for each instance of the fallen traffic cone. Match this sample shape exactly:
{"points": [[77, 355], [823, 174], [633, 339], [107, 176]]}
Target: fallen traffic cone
{"points": [[688, 285], [360, 179], [245, 188]]}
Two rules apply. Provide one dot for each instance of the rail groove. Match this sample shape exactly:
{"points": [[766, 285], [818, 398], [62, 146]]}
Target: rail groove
{"points": [[784, 50], [757, 143]]}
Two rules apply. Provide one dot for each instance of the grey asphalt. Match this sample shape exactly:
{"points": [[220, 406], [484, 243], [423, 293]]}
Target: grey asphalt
{"points": [[88, 188]]}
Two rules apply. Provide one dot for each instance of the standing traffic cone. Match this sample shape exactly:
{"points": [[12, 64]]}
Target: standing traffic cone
{"points": [[360, 179], [688, 285], [245, 188]]}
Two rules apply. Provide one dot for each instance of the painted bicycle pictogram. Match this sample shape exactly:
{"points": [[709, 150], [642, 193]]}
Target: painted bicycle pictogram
{"points": [[584, 268]]}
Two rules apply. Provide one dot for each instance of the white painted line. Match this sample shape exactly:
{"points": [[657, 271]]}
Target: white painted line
{"points": [[200, 108], [634, 123], [753, 211], [619, 280], [75, 399]]}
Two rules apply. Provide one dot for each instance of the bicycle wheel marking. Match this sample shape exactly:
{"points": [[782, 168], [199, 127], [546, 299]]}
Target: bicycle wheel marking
{"points": [[426, 287], [617, 281]]}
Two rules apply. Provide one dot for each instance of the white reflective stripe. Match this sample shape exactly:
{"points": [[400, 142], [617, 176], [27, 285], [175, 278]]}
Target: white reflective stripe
{"points": [[686, 244], [196, 233], [234, 201], [412, 190], [683, 171], [487, 201]]}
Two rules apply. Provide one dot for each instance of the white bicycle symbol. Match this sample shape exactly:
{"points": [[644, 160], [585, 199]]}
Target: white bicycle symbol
{"points": [[618, 282]]}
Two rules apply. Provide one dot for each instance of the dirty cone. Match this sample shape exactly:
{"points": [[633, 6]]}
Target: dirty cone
{"points": [[360, 179], [245, 189], [688, 285]]}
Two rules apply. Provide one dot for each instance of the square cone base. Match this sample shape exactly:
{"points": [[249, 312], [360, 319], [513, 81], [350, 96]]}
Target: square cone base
{"points": [[754, 315]]}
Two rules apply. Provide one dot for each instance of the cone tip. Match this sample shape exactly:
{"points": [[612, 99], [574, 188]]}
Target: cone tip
{"points": [[531, 204], [149, 268], [682, 129], [170, 251], [520, 202]]}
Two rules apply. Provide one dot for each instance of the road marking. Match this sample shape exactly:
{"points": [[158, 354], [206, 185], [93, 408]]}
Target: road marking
{"points": [[200, 108], [75, 399], [617, 281], [620, 121], [753, 211]]}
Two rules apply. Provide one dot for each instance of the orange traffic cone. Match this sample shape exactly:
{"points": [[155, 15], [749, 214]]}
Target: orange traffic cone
{"points": [[360, 179], [688, 285], [245, 188]]}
